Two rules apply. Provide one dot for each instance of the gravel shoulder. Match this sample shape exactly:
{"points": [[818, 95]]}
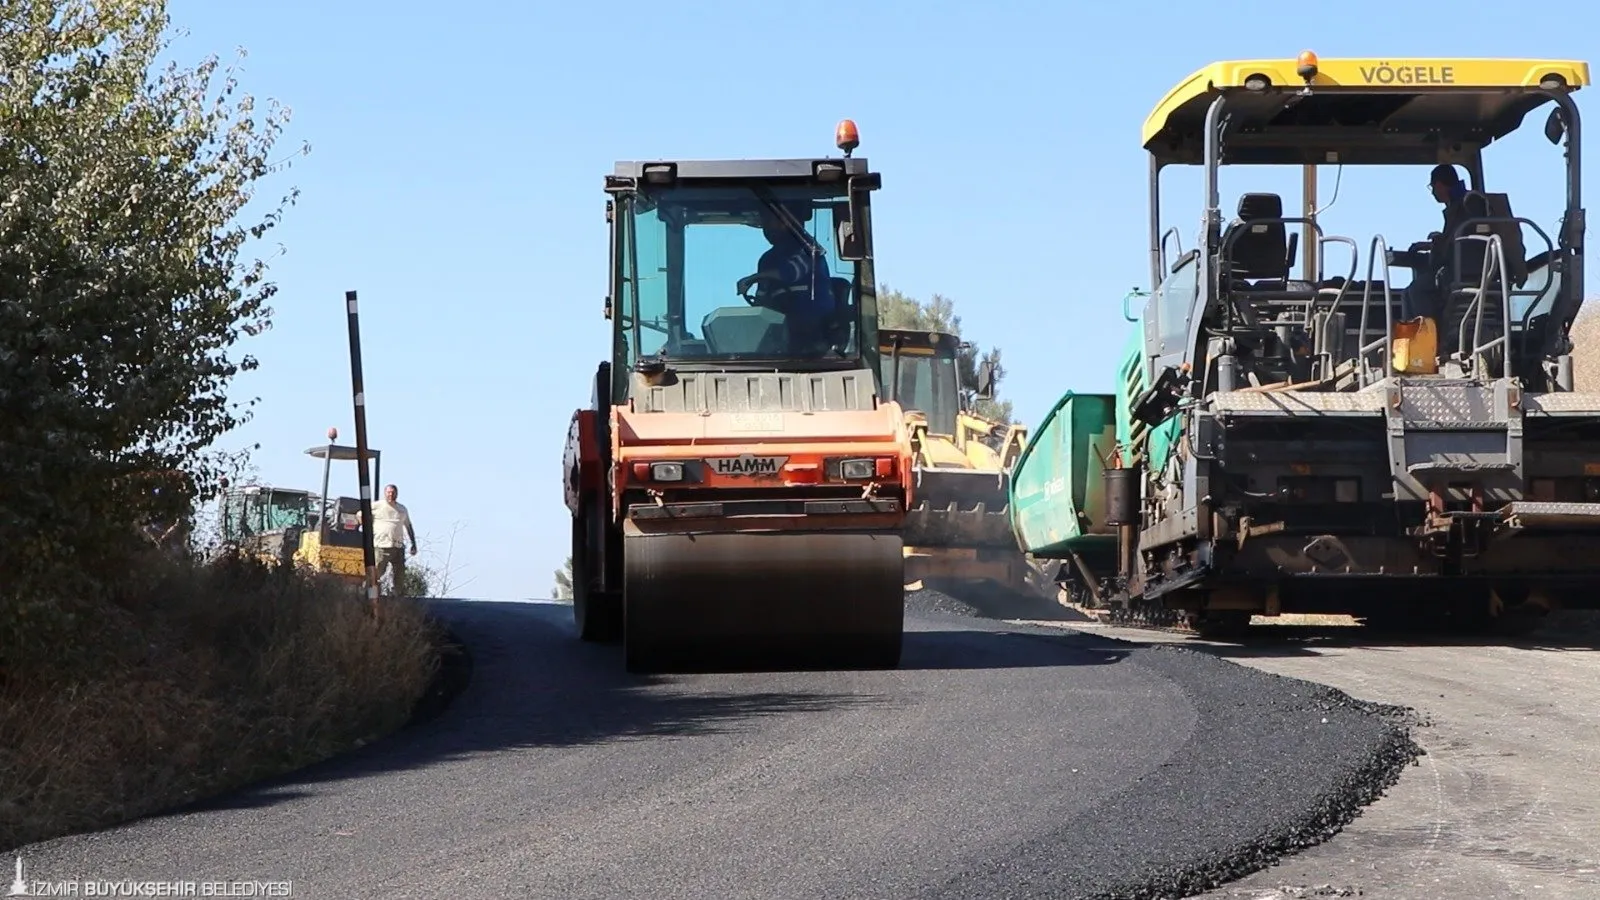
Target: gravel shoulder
{"points": [[999, 760], [1503, 805]]}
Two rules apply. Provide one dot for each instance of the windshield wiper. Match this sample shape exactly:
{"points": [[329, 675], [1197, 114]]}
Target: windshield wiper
{"points": [[764, 194]]}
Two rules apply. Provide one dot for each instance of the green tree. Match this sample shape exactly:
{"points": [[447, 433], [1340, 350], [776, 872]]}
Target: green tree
{"points": [[122, 288], [897, 310], [420, 581], [563, 587]]}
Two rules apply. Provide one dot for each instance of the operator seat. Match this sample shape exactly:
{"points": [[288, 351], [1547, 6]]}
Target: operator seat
{"points": [[1259, 261], [1261, 250], [1502, 221], [1463, 284]]}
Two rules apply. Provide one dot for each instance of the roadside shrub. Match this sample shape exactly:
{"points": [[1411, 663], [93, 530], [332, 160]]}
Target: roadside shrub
{"points": [[206, 678]]}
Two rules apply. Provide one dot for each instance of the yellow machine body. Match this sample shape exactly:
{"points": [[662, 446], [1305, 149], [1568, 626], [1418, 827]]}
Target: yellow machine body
{"points": [[958, 530], [286, 526]]}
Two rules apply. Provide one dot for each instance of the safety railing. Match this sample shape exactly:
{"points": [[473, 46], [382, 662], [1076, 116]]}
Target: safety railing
{"points": [[1318, 293], [1494, 266], [1171, 232], [1511, 292], [1233, 234], [1377, 250], [1355, 258]]}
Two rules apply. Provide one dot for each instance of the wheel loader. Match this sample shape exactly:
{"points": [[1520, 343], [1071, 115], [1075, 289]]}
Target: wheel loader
{"points": [[958, 534], [263, 521], [1397, 438], [739, 482], [294, 527]]}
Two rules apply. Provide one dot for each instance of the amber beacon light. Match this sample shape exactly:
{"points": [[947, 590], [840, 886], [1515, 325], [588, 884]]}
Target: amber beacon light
{"points": [[1306, 65], [846, 137]]}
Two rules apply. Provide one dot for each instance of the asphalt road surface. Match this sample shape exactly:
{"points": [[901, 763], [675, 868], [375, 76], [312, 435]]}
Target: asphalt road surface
{"points": [[998, 761], [1505, 803]]}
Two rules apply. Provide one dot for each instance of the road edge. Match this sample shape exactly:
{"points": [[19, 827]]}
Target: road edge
{"points": [[1331, 810], [450, 679], [1340, 800]]}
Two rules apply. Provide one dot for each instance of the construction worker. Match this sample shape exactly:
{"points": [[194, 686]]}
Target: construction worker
{"points": [[391, 525], [1433, 273], [795, 278]]}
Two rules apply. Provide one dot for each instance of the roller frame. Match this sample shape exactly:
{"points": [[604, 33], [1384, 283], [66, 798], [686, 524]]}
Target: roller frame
{"points": [[596, 543], [812, 559]]}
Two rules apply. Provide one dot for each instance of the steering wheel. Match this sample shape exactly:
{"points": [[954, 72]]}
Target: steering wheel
{"points": [[757, 280]]}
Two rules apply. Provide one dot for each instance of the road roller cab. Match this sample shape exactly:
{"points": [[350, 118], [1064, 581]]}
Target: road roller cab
{"points": [[738, 484]]}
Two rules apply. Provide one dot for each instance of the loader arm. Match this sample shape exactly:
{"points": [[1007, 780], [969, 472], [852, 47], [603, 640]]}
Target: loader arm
{"points": [[973, 434], [957, 530]]}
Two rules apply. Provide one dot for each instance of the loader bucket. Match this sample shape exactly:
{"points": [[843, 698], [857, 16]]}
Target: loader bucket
{"points": [[959, 508]]}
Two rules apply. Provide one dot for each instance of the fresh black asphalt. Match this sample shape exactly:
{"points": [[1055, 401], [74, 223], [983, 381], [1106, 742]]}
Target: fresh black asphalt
{"points": [[997, 761]]}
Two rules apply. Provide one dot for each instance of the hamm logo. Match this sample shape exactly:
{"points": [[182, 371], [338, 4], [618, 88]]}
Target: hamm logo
{"points": [[747, 465]]}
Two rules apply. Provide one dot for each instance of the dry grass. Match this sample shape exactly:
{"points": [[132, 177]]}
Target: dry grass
{"points": [[205, 680]]}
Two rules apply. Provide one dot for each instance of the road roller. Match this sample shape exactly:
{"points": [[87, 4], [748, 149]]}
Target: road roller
{"points": [[738, 483]]}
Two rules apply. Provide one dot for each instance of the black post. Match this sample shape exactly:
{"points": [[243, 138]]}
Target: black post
{"points": [[358, 391]]}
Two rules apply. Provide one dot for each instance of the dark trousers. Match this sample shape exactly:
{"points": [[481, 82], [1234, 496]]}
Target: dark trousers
{"points": [[1423, 297], [392, 558]]}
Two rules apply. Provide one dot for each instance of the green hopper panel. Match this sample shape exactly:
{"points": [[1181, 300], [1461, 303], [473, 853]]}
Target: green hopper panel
{"points": [[1156, 444], [1057, 494], [1131, 382]]}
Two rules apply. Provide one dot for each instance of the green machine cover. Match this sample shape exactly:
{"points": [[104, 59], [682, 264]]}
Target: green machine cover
{"points": [[1057, 497]]}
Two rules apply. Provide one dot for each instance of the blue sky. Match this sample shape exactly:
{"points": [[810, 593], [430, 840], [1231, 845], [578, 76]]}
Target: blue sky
{"points": [[458, 151]]}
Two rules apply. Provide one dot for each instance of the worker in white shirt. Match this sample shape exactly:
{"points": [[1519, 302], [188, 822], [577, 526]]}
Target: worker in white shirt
{"points": [[391, 524]]}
